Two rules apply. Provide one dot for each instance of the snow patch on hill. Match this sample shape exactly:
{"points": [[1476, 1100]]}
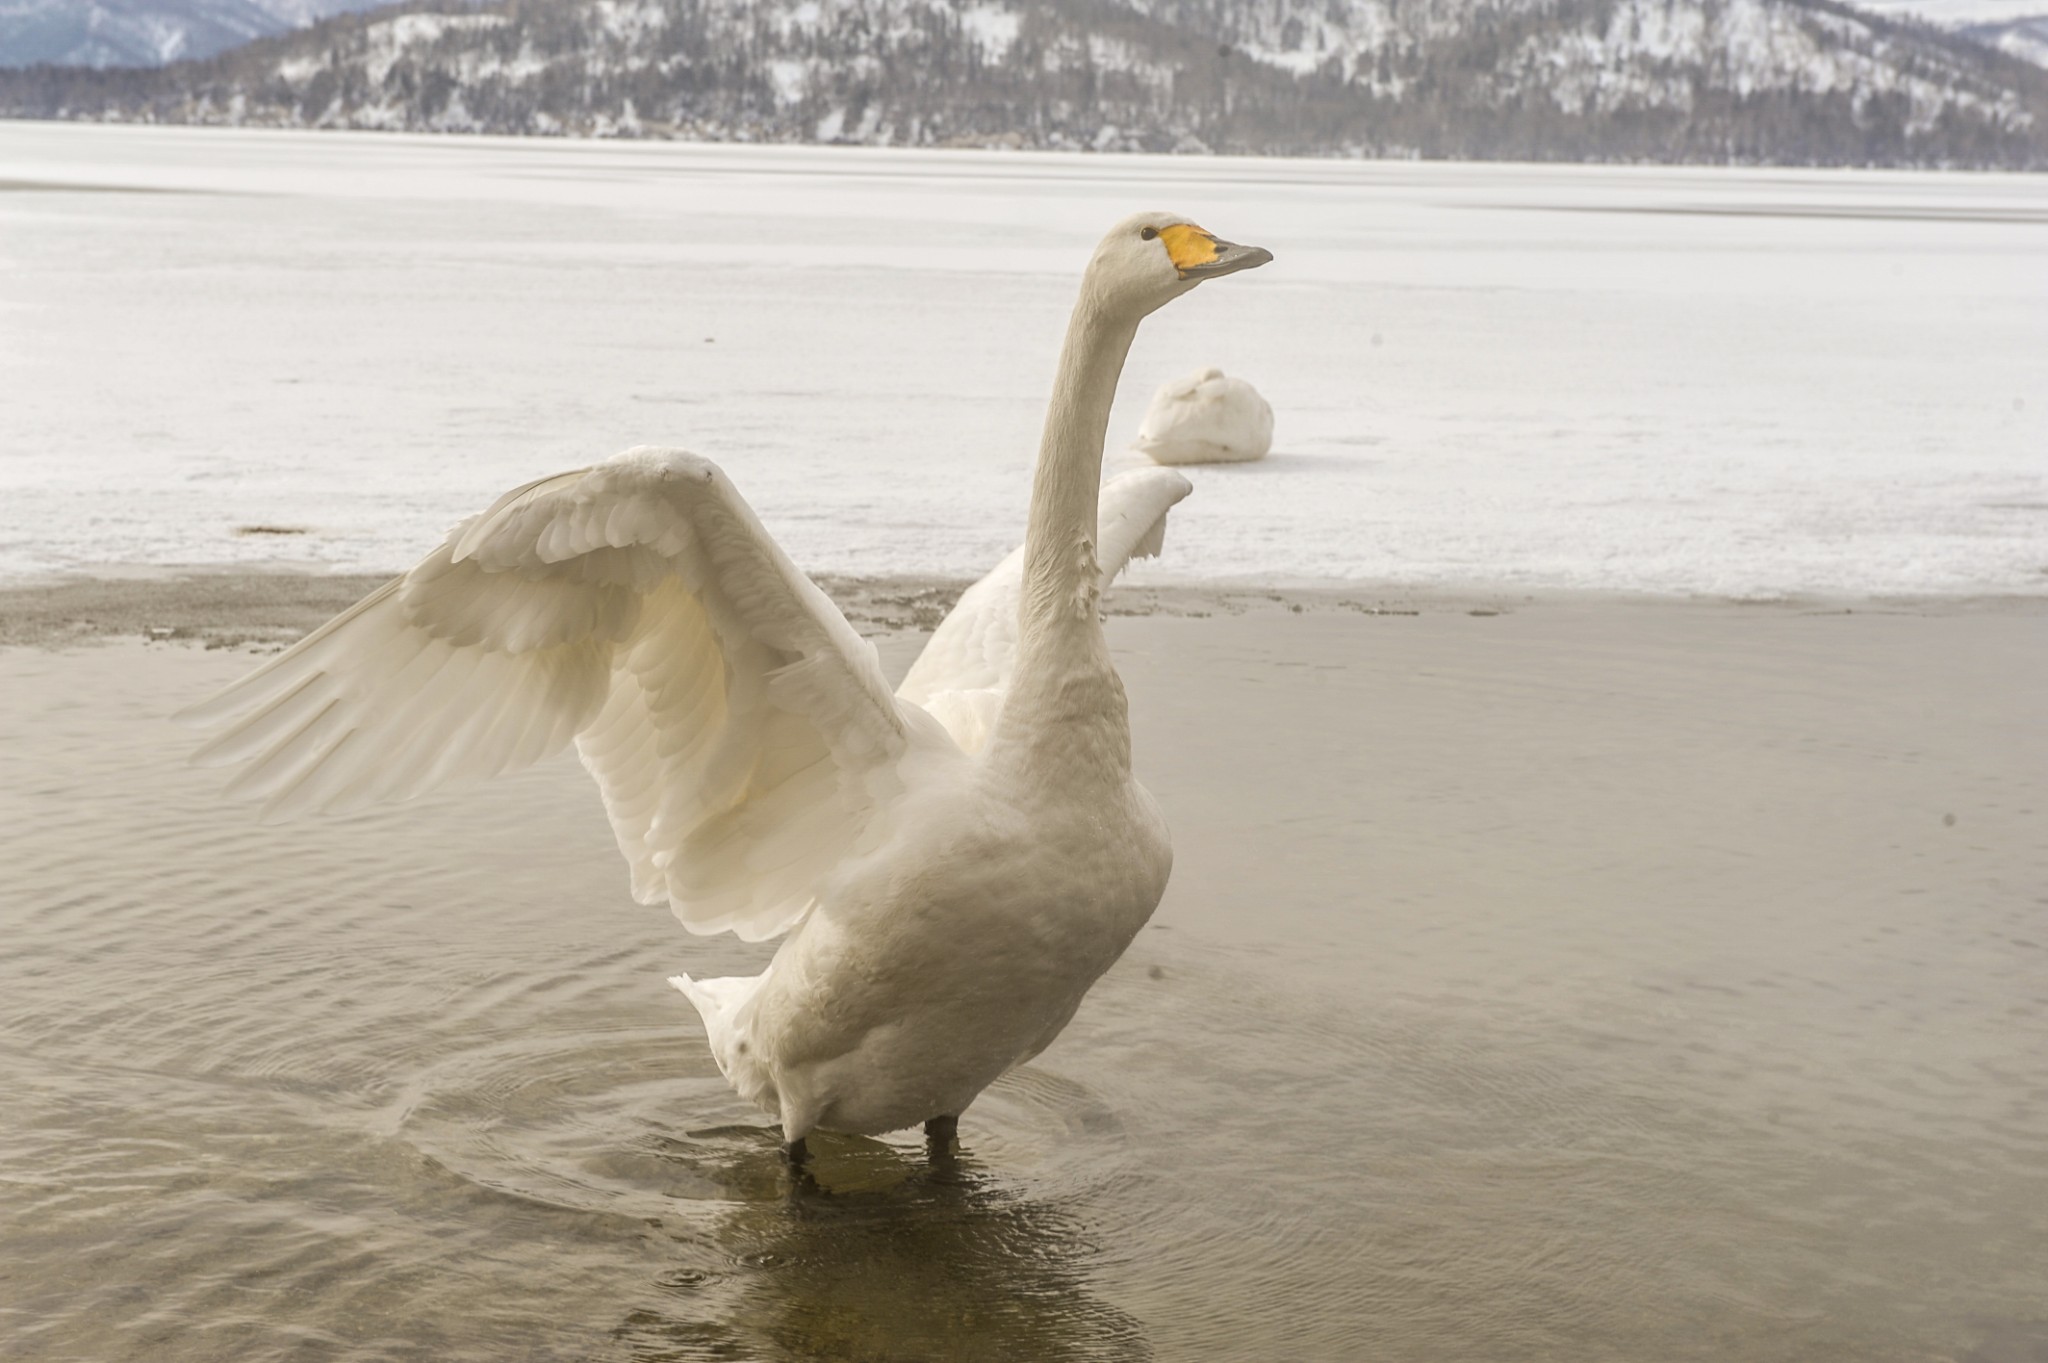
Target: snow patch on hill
{"points": [[2026, 39]]}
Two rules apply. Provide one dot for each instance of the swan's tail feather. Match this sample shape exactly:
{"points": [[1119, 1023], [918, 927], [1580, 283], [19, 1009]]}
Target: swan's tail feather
{"points": [[718, 1002]]}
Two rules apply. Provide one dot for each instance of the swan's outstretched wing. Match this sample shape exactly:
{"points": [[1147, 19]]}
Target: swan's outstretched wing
{"points": [[965, 668], [741, 731]]}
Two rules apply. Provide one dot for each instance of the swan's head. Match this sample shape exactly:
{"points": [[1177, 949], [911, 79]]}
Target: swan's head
{"points": [[1150, 259]]}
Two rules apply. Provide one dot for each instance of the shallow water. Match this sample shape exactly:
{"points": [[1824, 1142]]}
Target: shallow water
{"points": [[1612, 983]]}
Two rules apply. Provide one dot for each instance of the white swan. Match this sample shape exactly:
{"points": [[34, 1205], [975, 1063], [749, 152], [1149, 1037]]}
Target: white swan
{"points": [[1206, 418], [954, 866]]}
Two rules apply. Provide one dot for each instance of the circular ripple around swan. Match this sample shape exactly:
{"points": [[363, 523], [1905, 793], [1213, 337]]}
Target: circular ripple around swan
{"points": [[568, 1120], [635, 1121]]}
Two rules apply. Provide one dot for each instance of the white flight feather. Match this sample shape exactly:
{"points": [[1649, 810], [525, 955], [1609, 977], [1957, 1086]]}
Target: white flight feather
{"points": [[739, 729]]}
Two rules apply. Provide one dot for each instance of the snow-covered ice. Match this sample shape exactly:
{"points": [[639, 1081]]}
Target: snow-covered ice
{"points": [[1206, 417], [1650, 379]]}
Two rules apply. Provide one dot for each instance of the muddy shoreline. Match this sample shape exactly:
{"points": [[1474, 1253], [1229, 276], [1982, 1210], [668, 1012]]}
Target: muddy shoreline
{"points": [[233, 609]]}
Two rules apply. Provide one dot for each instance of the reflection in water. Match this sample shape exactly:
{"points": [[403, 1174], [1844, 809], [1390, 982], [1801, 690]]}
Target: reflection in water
{"points": [[873, 1253]]}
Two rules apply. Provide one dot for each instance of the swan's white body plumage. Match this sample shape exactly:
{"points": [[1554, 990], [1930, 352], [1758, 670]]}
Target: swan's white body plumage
{"points": [[1206, 417], [953, 864], [965, 943]]}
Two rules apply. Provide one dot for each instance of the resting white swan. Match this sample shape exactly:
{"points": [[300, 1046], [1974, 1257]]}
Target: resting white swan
{"points": [[1206, 418], [954, 866]]}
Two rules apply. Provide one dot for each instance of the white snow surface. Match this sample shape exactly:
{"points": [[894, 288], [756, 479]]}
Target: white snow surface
{"points": [[389, 40], [993, 28], [1729, 382]]}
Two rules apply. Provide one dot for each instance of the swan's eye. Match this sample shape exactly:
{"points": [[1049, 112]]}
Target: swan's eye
{"points": [[1149, 233]]}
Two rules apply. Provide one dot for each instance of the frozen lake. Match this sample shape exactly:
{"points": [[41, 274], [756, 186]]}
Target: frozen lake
{"points": [[1642, 379]]}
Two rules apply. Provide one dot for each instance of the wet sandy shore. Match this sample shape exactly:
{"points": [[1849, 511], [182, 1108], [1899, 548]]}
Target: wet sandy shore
{"points": [[1568, 978], [226, 609]]}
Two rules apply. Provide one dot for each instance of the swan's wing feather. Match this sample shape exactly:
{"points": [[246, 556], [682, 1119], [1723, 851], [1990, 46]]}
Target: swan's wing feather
{"points": [[741, 732], [973, 646], [1132, 520], [962, 674]]}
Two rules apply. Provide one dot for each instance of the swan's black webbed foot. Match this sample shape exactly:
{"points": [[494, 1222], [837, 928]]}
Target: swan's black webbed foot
{"points": [[802, 1185], [941, 1137]]}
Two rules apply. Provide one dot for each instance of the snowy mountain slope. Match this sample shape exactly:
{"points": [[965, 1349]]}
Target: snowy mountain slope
{"points": [[101, 33], [2026, 39], [1614, 57], [1802, 81]]}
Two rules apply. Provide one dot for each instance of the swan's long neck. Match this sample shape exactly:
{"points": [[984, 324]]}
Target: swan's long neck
{"points": [[1065, 701]]}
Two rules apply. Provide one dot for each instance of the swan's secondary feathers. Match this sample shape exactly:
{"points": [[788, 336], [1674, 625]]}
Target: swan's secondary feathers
{"points": [[1133, 516], [962, 675], [739, 729]]}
